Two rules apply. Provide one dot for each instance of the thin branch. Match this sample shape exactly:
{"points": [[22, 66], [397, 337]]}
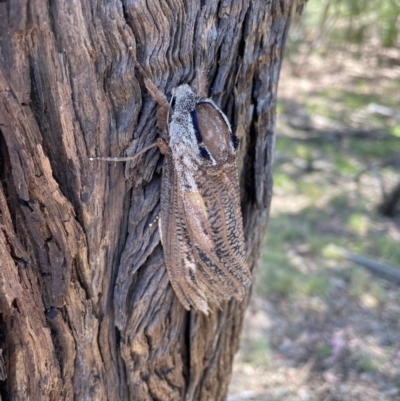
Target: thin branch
{"points": [[388, 272]]}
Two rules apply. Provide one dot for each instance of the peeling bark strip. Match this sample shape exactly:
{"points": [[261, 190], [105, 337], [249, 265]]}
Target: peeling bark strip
{"points": [[86, 309]]}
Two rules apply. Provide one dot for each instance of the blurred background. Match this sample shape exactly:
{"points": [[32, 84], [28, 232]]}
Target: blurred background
{"points": [[324, 321]]}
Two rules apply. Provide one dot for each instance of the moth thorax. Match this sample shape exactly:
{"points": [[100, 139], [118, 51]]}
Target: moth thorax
{"points": [[182, 133], [185, 98]]}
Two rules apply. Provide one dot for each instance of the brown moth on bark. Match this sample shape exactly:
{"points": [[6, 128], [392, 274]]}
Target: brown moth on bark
{"points": [[200, 221]]}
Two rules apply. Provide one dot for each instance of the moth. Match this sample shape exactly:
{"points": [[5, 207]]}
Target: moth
{"points": [[200, 221]]}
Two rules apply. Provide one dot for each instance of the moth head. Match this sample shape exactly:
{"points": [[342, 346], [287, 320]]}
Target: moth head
{"points": [[183, 98]]}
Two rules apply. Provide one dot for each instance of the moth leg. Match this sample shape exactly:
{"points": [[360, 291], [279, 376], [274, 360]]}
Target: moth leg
{"points": [[161, 99], [162, 145], [200, 83]]}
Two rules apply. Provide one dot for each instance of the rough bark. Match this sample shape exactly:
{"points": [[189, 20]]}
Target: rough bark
{"points": [[86, 309]]}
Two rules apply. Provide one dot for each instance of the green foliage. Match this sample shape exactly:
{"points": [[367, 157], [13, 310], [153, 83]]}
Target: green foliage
{"points": [[359, 223], [389, 17], [366, 362], [257, 352], [324, 351], [359, 282], [354, 21], [395, 131], [284, 271], [345, 165], [278, 274], [317, 285], [390, 147], [370, 292], [387, 249]]}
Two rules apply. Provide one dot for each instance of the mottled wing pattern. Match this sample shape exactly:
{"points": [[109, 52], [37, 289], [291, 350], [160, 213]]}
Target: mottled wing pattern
{"points": [[176, 241], [209, 265], [226, 261]]}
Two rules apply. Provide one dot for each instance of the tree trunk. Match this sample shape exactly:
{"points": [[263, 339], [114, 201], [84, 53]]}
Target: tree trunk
{"points": [[87, 311], [390, 205]]}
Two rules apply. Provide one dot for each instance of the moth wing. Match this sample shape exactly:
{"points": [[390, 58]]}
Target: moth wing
{"points": [[222, 268], [207, 259], [178, 252]]}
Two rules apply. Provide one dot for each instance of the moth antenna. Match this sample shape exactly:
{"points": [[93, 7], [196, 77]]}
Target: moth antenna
{"points": [[161, 99], [158, 96], [160, 143], [200, 84], [155, 93]]}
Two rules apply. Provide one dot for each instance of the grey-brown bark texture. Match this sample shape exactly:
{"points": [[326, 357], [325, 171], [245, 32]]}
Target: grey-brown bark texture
{"points": [[86, 309]]}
